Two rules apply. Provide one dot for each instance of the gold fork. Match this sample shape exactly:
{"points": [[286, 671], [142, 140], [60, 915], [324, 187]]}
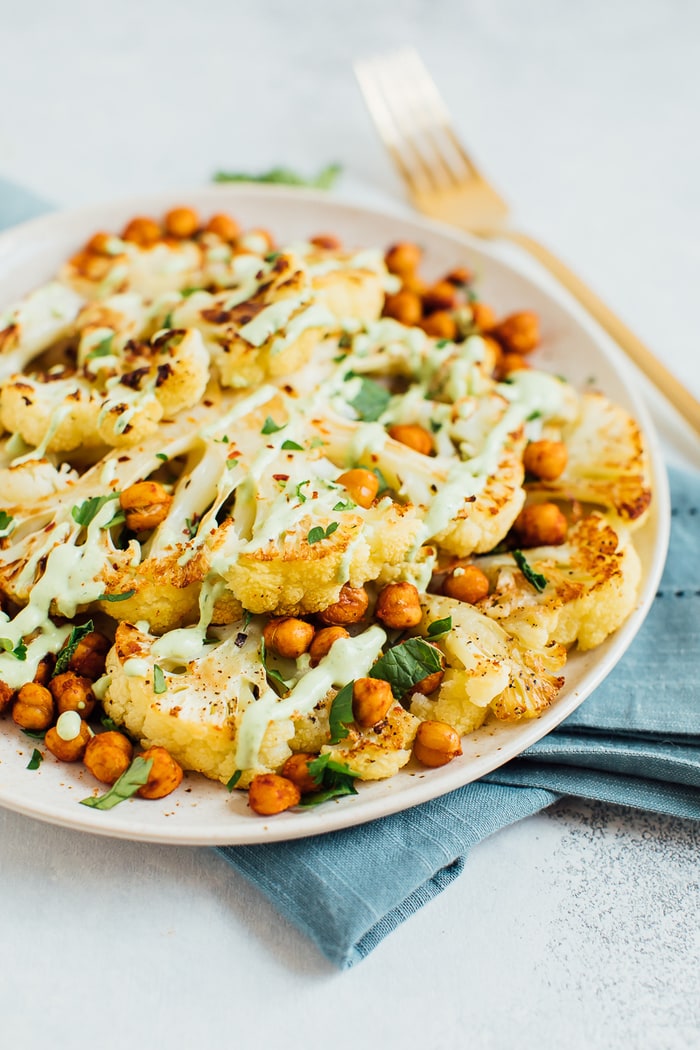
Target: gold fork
{"points": [[443, 182]]}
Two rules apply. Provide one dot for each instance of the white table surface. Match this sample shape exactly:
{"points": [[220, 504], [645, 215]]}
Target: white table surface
{"points": [[578, 927]]}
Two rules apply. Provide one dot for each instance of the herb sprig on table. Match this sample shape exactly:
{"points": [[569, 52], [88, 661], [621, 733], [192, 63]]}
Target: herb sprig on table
{"points": [[324, 180]]}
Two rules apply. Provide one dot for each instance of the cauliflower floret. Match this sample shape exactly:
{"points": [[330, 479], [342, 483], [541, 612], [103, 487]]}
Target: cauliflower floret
{"points": [[123, 266], [380, 752], [37, 322], [490, 666], [22, 483], [451, 705], [591, 587], [607, 463], [55, 414]]}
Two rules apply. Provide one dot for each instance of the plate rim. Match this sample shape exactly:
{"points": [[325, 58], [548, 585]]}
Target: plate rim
{"points": [[336, 817]]}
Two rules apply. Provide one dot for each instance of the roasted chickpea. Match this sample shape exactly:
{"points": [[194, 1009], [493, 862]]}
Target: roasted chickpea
{"points": [[89, 656], [510, 363], [269, 794], [362, 486], [541, 524], [371, 700], [403, 258], [288, 636], [403, 306], [223, 226], [323, 642], [482, 316], [72, 692], [350, 608], [165, 774], [327, 241], [440, 325], [181, 222], [71, 750], [142, 231], [6, 696], [519, 333], [436, 744], [413, 435], [146, 504], [34, 707], [545, 459], [466, 583], [108, 755], [296, 769], [91, 265], [431, 682], [440, 296], [413, 282], [100, 243], [460, 276], [398, 606]]}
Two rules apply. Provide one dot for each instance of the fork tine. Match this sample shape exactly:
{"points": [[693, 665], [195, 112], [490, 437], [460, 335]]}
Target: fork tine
{"points": [[378, 87]]}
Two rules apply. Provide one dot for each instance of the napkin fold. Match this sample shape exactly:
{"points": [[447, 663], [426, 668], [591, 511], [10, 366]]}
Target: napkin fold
{"points": [[634, 742]]}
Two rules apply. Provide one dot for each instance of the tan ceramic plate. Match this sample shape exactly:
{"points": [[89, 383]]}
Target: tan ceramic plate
{"points": [[204, 813]]}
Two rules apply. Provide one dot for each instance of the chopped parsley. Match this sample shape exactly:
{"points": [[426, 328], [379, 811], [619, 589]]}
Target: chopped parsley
{"points": [[66, 654], [324, 180], [371, 400], [536, 579], [406, 665], [439, 627], [36, 760], [334, 779], [345, 505], [19, 651], [318, 533], [85, 512], [291, 446], [340, 714], [300, 495], [231, 783], [5, 520], [159, 684], [127, 785], [162, 455], [116, 597], [270, 427]]}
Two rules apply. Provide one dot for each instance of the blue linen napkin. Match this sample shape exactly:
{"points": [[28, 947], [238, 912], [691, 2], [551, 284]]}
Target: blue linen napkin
{"points": [[634, 742]]}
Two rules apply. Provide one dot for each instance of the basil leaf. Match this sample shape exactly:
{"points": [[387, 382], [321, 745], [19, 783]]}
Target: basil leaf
{"points": [[35, 734], [270, 427], [340, 713], [127, 785], [159, 684], [85, 512], [324, 180], [536, 579], [19, 651], [371, 400], [316, 534], [5, 520], [291, 446], [335, 780], [231, 783], [36, 760], [116, 597], [439, 627], [66, 654], [407, 664]]}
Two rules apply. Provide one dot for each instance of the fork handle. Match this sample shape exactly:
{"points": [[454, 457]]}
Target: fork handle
{"points": [[663, 380]]}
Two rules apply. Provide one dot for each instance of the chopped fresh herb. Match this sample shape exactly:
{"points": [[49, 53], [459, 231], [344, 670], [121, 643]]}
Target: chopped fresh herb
{"points": [[345, 505], [232, 462], [538, 581], [318, 533], [439, 627], [534, 415], [159, 684], [103, 349], [222, 440], [407, 664], [118, 519], [192, 524], [247, 617], [317, 442], [435, 426], [127, 785], [5, 520], [291, 446], [300, 495], [270, 427], [230, 784], [273, 675], [110, 724], [340, 714], [272, 257], [162, 455], [66, 654], [19, 651], [85, 512], [383, 483], [324, 180], [187, 292], [36, 760], [168, 320], [124, 596], [335, 780], [371, 400], [441, 344], [35, 734], [345, 341]]}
